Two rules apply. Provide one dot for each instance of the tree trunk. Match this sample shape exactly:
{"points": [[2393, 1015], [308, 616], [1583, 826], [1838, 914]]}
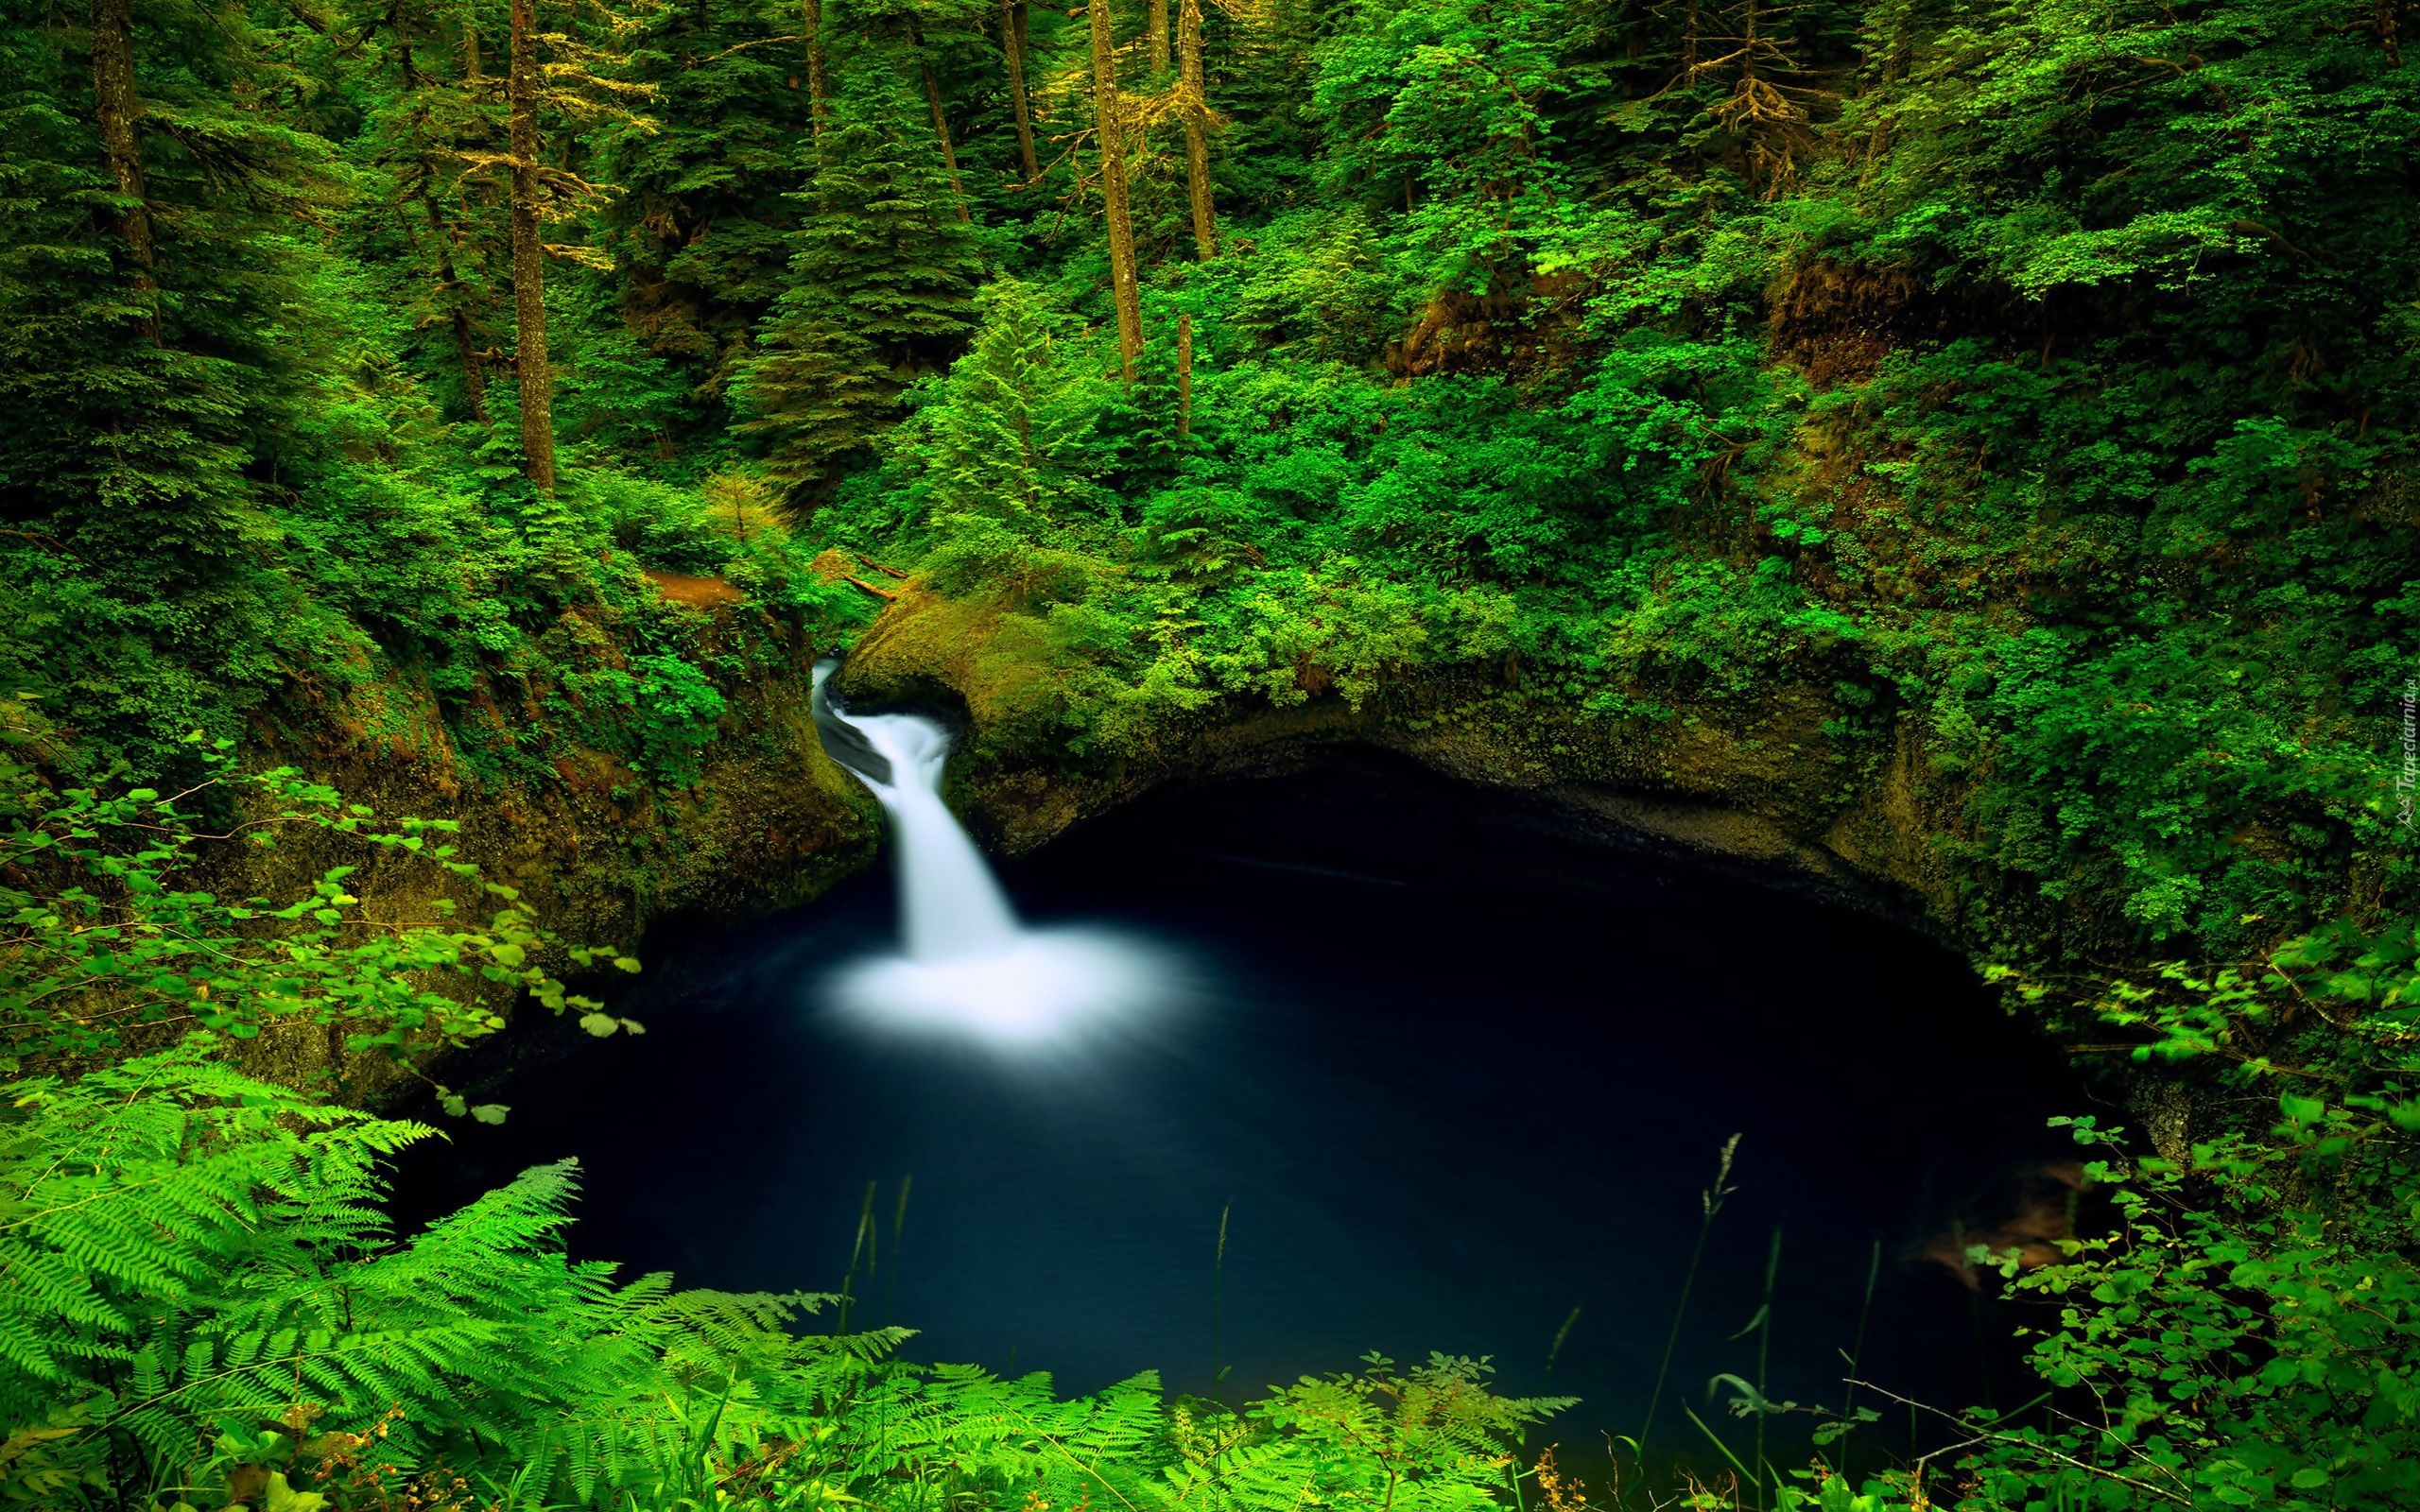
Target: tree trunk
{"points": [[528, 257], [1013, 43], [818, 96], [1110, 121], [1183, 377], [940, 118], [117, 108], [1196, 124], [1155, 36], [474, 371]]}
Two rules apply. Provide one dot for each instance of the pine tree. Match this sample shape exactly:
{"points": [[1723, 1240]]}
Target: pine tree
{"points": [[819, 93], [1109, 124], [1008, 440], [156, 302], [1195, 108], [881, 289], [1012, 48], [700, 235], [530, 255], [940, 114], [143, 277], [424, 236]]}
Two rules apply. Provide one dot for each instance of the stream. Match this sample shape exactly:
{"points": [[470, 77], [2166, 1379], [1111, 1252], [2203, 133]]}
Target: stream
{"points": [[1447, 1079]]}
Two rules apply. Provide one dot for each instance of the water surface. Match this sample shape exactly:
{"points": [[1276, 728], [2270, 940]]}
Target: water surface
{"points": [[1450, 1075]]}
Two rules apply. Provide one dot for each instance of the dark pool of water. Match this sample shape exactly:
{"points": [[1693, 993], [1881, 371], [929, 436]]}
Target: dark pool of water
{"points": [[1451, 1075]]}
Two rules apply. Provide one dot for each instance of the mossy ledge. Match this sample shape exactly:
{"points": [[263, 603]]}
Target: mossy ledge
{"points": [[1763, 787]]}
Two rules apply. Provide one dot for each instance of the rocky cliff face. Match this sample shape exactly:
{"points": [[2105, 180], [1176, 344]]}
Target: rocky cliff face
{"points": [[598, 853], [770, 821], [1772, 786]]}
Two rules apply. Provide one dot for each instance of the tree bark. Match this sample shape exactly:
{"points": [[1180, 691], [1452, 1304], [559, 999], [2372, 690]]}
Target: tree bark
{"points": [[1110, 121], [1197, 122], [1155, 36], [117, 108], [940, 118], [1013, 43], [1183, 377], [528, 257], [819, 94]]}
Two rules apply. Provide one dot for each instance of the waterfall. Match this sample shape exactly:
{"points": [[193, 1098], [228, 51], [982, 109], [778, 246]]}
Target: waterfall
{"points": [[968, 963], [950, 907]]}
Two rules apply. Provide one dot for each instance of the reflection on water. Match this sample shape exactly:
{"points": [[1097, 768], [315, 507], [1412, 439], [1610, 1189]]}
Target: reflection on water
{"points": [[1455, 1078]]}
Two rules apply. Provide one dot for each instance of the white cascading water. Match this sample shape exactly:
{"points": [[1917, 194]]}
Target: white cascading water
{"points": [[969, 965], [950, 909]]}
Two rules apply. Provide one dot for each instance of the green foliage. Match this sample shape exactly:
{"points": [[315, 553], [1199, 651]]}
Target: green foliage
{"points": [[2250, 1333], [700, 234], [203, 1296], [880, 289], [113, 939], [202, 1305], [2031, 389]]}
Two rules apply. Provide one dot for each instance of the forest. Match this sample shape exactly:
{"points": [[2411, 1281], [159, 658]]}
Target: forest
{"points": [[2032, 387]]}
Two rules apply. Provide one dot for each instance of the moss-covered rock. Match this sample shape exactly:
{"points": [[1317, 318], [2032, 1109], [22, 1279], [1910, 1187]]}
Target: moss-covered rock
{"points": [[599, 850], [1773, 784]]}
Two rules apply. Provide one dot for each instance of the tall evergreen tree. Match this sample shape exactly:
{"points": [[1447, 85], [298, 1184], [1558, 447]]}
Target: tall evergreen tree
{"points": [[1195, 108], [1109, 124], [818, 92], [430, 234], [1012, 48], [1007, 443], [940, 112], [881, 290], [530, 255], [700, 235], [155, 309], [146, 263]]}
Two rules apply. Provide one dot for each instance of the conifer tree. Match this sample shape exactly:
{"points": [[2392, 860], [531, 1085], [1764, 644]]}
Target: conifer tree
{"points": [[1007, 443], [818, 92], [115, 110], [158, 347], [1012, 45], [424, 238], [1108, 121], [144, 275], [1195, 108], [574, 83], [941, 116], [528, 257], [881, 289], [700, 231]]}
